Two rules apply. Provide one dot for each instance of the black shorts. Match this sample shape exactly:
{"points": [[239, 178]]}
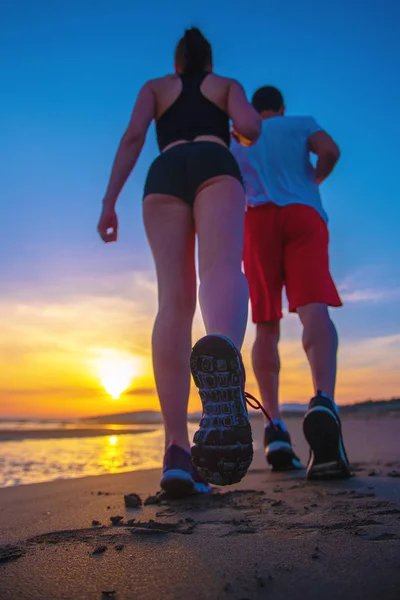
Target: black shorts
{"points": [[182, 169]]}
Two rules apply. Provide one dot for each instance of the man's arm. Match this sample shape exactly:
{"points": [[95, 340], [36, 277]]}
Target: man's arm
{"points": [[321, 144]]}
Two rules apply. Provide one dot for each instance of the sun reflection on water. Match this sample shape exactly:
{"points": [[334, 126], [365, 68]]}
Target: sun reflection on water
{"points": [[33, 461], [111, 458]]}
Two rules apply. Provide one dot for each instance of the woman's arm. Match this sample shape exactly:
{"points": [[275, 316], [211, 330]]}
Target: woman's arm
{"points": [[131, 144], [128, 152], [246, 120]]}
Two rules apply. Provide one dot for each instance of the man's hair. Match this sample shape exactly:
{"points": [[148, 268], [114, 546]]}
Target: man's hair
{"points": [[267, 98], [193, 53]]}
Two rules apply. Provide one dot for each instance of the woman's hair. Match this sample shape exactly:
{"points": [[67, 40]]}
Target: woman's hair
{"points": [[193, 52]]}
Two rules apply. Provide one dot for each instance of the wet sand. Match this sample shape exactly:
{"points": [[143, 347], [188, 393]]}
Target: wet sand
{"points": [[271, 536], [15, 435]]}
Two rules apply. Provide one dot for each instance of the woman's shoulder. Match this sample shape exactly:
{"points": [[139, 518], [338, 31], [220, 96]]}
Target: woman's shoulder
{"points": [[222, 80], [211, 76], [173, 77], [160, 82]]}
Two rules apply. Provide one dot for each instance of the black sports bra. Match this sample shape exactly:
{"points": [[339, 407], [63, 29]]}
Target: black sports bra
{"points": [[192, 115]]}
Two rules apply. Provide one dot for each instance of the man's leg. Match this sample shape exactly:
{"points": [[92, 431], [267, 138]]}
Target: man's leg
{"points": [[263, 252], [262, 259], [322, 426], [310, 289], [320, 342], [266, 365]]}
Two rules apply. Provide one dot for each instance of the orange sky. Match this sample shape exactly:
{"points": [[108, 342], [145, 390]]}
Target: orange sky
{"points": [[56, 356]]}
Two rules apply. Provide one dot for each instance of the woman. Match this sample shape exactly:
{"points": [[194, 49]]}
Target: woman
{"points": [[194, 187]]}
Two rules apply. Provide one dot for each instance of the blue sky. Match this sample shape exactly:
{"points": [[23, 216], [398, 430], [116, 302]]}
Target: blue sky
{"points": [[70, 74]]}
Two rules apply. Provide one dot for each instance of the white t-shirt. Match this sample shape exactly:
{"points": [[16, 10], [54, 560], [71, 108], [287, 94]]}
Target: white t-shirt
{"points": [[277, 168]]}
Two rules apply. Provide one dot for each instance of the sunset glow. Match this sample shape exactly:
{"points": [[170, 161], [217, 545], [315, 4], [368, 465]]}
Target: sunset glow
{"points": [[77, 314], [75, 357], [116, 371]]}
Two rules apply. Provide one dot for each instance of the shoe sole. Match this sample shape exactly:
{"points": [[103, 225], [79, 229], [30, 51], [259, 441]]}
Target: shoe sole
{"points": [[283, 459], [328, 459], [223, 445], [177, 483]]}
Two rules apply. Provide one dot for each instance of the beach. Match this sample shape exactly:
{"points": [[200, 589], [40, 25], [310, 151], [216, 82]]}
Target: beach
{"points": [[271, 536], [38, 454]]}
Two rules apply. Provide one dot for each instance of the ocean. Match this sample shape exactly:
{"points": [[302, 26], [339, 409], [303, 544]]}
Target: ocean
{"points": [[24, 461]]}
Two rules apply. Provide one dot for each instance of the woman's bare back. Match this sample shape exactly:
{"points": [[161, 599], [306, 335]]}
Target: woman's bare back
{"points": [[168, 89]]}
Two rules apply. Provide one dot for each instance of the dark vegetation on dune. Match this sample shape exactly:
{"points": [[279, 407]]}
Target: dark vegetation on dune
{"points": [[289, 410]]}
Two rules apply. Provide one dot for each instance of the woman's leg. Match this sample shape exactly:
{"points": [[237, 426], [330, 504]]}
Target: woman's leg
{"points": [[224, 295], [170, 230], [223, 448]]}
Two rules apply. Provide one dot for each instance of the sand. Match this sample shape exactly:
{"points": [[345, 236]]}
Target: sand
{"points": [[271, 536]]}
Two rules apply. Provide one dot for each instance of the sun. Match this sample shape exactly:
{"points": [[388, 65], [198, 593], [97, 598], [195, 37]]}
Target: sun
{"points": [[116, 370]]}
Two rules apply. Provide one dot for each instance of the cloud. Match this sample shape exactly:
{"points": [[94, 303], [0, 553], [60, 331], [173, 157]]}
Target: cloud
{"points": [[141, 391], [367, 368], [382, 352], [368, 285], [371, 295], [49, 339], [50, 391], [66, 287], [50, 335]]}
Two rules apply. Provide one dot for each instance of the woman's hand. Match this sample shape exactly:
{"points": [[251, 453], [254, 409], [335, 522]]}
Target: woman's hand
{"points": [[240, 138], [108, 225]]}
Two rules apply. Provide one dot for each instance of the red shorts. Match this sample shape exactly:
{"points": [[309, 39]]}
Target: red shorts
{"points": [[286, 246]]}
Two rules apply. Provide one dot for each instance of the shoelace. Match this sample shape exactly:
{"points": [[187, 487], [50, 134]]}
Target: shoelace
{"points": [[258, 406]]}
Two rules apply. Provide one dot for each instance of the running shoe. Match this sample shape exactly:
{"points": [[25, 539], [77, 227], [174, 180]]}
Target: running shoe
{"points": [[223, 445], [278, 448], [323, 431], [180, 478]]}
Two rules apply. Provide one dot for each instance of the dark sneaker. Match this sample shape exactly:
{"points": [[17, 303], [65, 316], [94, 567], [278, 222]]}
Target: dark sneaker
{"points": [[201, 486], [278, 449], [223, 445], [323, 431], [180, 478]]}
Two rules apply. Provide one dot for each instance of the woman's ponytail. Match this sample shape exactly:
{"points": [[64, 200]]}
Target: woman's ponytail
{"points": [[193, 53]]}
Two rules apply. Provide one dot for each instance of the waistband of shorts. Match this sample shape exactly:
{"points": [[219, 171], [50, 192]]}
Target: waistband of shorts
{"points": [[262, 205]]}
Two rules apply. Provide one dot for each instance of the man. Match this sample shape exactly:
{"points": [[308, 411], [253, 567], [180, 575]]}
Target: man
{"points": [[286, 244]]}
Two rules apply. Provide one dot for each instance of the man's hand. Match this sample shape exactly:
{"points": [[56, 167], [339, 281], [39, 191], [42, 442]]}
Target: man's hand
{"points": [[314, 170], [108, 225], [321, 144]]}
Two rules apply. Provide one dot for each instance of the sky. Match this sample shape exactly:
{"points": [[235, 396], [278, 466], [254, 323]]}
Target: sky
{"points": [[76, 315]]}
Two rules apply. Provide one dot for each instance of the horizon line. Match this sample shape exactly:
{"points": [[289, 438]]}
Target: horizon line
{"points": [[158, 412]]}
